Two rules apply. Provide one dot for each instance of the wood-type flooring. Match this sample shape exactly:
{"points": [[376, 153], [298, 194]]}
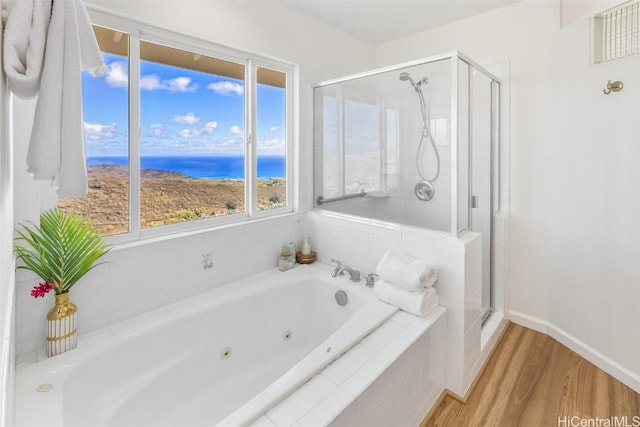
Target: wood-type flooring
{"points": [[531, 380]]}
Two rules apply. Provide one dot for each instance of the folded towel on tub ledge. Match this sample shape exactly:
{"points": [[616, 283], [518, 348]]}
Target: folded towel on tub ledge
{"points": [[406, 271], [419, 303]]}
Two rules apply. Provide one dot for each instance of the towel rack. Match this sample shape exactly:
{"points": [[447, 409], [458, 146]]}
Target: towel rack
{"points": [[320, 200]]}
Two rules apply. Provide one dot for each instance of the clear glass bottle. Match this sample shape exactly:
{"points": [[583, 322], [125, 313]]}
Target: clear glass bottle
{"points": [[286, 261]]}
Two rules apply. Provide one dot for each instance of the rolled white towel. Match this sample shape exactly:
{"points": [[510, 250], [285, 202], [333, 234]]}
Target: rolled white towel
{"points": [[418, 303], [406, 271]]}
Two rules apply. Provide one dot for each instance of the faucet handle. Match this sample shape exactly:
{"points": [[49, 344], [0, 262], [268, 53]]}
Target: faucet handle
{"points": [[336, 270], [371, 280]]}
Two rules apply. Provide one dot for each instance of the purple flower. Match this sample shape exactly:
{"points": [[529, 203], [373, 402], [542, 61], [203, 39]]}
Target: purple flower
{"points": [[41, 290]]}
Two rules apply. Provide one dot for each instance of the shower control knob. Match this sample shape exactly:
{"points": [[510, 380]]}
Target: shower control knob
{"points": [[424, 190]]}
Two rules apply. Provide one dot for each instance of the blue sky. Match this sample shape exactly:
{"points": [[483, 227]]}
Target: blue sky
{"points": [[182, 112]]}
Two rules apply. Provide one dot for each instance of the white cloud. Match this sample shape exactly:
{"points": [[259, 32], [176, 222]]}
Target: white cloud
{"points": [[236, 131], [117, 74], [274, 128], [158, 130], [150, 82], [187, 119], [190, 118], [180, 84], [190, 133], [226, 87], [210, 126], [272, 146], [96, 131]]}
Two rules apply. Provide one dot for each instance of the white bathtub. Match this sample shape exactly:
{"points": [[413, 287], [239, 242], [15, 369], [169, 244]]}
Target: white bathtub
{"points": [[221, 358]]}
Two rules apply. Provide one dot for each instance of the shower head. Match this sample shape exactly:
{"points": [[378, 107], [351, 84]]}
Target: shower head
{"points": [[406, 76]]}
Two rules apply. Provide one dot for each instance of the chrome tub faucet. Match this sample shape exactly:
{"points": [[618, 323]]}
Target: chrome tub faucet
{"points": [[354, 275]]}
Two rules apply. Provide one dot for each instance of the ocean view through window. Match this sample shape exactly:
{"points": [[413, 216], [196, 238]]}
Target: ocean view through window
{"points": [[271, 149], [192, 136], [106, 132], [210, 129]]}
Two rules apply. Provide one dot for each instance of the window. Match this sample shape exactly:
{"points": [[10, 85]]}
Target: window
{"points": [[359, 150], [271, 147], [106, 135], [182, 134], [362, 143]]}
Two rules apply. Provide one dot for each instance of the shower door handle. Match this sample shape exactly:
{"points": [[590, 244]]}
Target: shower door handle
{"points": [[474, 202]]}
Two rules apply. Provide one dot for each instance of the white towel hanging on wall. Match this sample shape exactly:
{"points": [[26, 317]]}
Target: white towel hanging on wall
{"points": [[56, 148], [25, 37]]}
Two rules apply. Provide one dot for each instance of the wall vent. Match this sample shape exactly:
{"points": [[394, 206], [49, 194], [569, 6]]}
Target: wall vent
{"points": [[616, 32]]}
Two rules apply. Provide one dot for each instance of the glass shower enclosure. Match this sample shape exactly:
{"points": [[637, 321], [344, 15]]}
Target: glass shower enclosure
{"points": [[413, 144]]}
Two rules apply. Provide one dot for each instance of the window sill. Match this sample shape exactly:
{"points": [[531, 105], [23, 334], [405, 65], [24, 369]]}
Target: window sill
{"points": [[117, 244]]}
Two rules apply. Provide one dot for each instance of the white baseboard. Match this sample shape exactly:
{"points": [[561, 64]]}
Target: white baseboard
{"points": [[613, 368]]}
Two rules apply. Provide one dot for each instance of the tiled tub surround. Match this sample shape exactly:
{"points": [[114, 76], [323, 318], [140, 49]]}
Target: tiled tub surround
{"points": [[361, 243], [224, 356], [391, 378]]}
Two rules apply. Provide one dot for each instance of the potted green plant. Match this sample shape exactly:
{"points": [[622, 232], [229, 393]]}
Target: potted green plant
{"points": [[60, 251]]}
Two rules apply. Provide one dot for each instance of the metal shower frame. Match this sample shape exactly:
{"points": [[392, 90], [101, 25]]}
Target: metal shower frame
{"points": [[455, 56]]}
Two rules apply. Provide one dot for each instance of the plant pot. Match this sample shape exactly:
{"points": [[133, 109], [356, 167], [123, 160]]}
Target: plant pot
{"points": [[62, 333]]}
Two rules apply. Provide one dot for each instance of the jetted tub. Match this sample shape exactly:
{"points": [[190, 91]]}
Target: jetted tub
{"points": [[220, 358]]}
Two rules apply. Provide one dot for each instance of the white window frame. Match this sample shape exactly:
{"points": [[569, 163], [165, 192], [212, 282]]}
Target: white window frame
{"points": [[139, 31]]}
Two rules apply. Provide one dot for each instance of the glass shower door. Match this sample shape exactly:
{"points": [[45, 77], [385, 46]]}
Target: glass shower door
{"points": [[483, 144]]}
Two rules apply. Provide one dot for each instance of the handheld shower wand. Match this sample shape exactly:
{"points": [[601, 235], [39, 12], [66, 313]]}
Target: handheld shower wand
{"points": [[424, 189]]}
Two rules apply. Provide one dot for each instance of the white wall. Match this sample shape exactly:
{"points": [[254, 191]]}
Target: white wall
{"points": [[571, 242], [263, 27], [593, 230], [139, 278]]}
